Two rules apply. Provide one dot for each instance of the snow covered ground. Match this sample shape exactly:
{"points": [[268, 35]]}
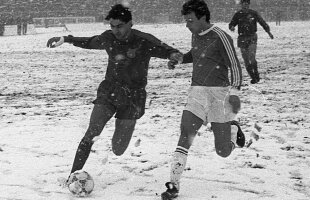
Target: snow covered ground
{"points": [[45, 104]]}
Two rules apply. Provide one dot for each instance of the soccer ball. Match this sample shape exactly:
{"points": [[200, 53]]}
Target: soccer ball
{"points": [[80, 183]]}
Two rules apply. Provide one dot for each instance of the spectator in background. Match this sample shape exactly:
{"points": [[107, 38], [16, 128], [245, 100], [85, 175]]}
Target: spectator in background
{"points": [[19, 24], [46, 23], [2, 24], [247, 19], [278, 17], [24, 22]]}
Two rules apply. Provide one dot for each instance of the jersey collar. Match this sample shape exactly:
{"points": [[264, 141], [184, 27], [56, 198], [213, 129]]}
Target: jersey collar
{"points": [[206, 31]]}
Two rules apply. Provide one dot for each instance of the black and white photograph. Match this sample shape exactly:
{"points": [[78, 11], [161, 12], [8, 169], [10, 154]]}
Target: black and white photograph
{"points": [[154, 99]]}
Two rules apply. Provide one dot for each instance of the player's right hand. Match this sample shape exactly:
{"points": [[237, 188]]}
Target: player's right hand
{"points": [[174, 59], [55, 42]]}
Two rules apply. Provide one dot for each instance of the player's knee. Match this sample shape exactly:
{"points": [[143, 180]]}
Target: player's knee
{"points": [[223, 151], [118, 150], [92, 132]]}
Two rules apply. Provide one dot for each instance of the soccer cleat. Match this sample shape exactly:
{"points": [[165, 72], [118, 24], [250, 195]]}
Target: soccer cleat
{"points": [[254, 81], [171, 193], [63, 182], [240, 135]]}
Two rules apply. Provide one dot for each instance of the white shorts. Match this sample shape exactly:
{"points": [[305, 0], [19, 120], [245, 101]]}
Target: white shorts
{"points": [[210, 104]]}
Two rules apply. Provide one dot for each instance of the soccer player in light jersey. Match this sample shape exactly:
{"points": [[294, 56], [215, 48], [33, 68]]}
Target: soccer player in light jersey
{"points": [[212, 96]]}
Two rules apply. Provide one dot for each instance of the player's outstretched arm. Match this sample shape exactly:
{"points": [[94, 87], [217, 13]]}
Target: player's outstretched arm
{"points": [[94, 42]]}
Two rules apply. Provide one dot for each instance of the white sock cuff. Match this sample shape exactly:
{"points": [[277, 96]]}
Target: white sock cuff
{"points": [[181, 150]]}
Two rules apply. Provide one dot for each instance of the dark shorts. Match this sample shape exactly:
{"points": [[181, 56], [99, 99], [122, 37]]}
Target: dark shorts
{"points": [[246, 41], [126, 103]]}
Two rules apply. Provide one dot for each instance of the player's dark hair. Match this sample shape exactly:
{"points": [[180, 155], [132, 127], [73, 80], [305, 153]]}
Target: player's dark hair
{"points": [[119, 12], [245, 1], [199, 7]]}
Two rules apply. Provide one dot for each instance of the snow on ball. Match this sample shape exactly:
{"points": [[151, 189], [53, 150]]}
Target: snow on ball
{"points": [[80, 183]]}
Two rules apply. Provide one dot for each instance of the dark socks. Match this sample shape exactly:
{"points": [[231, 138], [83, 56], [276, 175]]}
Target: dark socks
{"points": [[250, 71], [253, 72], [81, 155], [256, 74]]}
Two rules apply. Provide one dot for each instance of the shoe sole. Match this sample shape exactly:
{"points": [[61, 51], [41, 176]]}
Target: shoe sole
{"points": [[168, 196]]}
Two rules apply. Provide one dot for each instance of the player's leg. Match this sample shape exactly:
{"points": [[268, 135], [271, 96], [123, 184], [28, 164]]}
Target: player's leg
{"points": [[245, 52], [253, 62], [227, 136], [131, 107], [222, 138], [190, 124], [100, 115], [123, 132], [220, 115]]}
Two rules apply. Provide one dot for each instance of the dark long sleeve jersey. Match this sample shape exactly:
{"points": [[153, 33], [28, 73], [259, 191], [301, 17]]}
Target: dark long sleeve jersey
{"points": [[247, 22], [213, 55], [128, 60]]}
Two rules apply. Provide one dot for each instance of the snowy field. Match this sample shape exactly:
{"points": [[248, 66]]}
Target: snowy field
{"points": [[45, 104]]}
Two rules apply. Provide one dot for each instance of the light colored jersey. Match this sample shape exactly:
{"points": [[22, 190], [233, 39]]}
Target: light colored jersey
{"points": [[213, 56]]}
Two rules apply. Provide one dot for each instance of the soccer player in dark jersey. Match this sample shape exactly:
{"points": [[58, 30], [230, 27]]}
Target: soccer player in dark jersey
{"points": [[123, 91], [246, 19], [212, 96]]}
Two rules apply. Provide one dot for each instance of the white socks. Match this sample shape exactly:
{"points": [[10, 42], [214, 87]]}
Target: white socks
{"points": [[178, 165]]}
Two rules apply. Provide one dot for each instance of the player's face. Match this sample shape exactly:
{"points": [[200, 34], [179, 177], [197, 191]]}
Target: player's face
{"points": [[245, 5], [193, 24], [120, 29]]}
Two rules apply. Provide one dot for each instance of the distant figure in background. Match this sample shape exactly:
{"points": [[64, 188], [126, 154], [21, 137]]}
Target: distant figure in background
{"points": [[19, 25], [24, 22], [64, 26], [278, 17], [2, 25], [46, 23], [247, 19]]}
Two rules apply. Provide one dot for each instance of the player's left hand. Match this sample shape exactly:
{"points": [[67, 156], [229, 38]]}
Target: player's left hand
{"points": [[270, 35], [55, 42]]}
